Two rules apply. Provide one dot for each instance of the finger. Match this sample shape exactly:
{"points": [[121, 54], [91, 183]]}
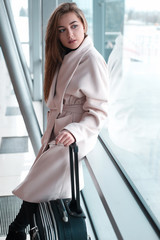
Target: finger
{"points": [[59, 138], [68, 142], [65, 138]]}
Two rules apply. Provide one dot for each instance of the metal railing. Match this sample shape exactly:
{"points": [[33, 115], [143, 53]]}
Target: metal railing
{"points": [[16, 72]]}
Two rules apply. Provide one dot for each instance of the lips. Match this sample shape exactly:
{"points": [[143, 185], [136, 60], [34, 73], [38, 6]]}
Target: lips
{"points": [[71, 41]]}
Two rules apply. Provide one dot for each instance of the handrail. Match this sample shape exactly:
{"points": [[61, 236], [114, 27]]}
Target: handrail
{"points": [[18, 79], [108, 191], [18, 45], [127, 181], [104, 202]]}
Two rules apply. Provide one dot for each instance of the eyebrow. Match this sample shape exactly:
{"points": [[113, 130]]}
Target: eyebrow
{"points": [[69, 24]]}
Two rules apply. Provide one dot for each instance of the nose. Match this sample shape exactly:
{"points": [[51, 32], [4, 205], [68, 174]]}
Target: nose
{"points": [[69, 33]]}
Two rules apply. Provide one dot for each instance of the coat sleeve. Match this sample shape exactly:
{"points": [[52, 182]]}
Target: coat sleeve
{"points": [[94, 85]]}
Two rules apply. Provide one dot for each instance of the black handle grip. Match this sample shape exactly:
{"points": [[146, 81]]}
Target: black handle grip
{"points": [[74, 170]]}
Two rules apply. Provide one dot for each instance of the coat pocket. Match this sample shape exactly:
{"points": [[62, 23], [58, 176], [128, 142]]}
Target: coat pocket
{"points": [[61, 123]]}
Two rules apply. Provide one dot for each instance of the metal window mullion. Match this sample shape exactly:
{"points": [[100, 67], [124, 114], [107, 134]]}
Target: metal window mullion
{"points": [[30, 35], [99, 26], [18, 45], [36, 49]]}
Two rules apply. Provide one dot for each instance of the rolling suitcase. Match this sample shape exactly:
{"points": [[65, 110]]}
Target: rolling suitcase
{"points": [[62, 219]]}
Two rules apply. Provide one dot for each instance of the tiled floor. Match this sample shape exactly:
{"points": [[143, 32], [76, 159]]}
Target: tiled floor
{"points": [[14, 165]]}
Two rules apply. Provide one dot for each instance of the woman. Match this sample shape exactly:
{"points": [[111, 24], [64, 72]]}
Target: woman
{"points": [[75, 90]]}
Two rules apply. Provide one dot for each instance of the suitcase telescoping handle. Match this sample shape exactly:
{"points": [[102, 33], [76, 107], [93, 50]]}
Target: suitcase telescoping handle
{"points": [[74, 171]]}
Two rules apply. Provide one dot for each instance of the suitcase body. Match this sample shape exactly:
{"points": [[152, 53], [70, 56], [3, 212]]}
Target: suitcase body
{"points": [[62, 219]]}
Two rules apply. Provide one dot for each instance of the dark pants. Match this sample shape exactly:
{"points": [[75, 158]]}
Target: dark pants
{"points": [[25, 215]]}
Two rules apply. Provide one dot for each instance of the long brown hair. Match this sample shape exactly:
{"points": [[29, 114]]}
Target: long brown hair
{"points": [[54, 51]]}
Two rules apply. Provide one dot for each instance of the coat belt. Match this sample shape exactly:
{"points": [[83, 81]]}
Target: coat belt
{"points": [[74, 108], [53, 114]]}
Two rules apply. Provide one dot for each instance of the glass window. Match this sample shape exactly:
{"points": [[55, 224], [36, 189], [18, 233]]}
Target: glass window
{"points": [[128, 36], [87, 8], [113, 24], [20, 13], [133, 129]]}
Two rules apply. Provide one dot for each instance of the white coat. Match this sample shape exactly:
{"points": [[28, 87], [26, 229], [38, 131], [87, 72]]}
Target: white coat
{"points": [[80, 106]]}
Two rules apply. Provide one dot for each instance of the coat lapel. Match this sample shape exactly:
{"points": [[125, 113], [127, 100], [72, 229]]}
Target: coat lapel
{"points": [[67, 70], [50, 103]]}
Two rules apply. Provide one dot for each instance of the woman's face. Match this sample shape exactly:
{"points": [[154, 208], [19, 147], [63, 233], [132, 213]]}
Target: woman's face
{"points": [[71, 30]]}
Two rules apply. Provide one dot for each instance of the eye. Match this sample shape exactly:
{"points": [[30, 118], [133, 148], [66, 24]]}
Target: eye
{"points": [[74, 26], [61, 30]]}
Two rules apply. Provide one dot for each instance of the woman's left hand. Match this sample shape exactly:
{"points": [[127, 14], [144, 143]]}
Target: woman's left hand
{"points": [[65, 138]]}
